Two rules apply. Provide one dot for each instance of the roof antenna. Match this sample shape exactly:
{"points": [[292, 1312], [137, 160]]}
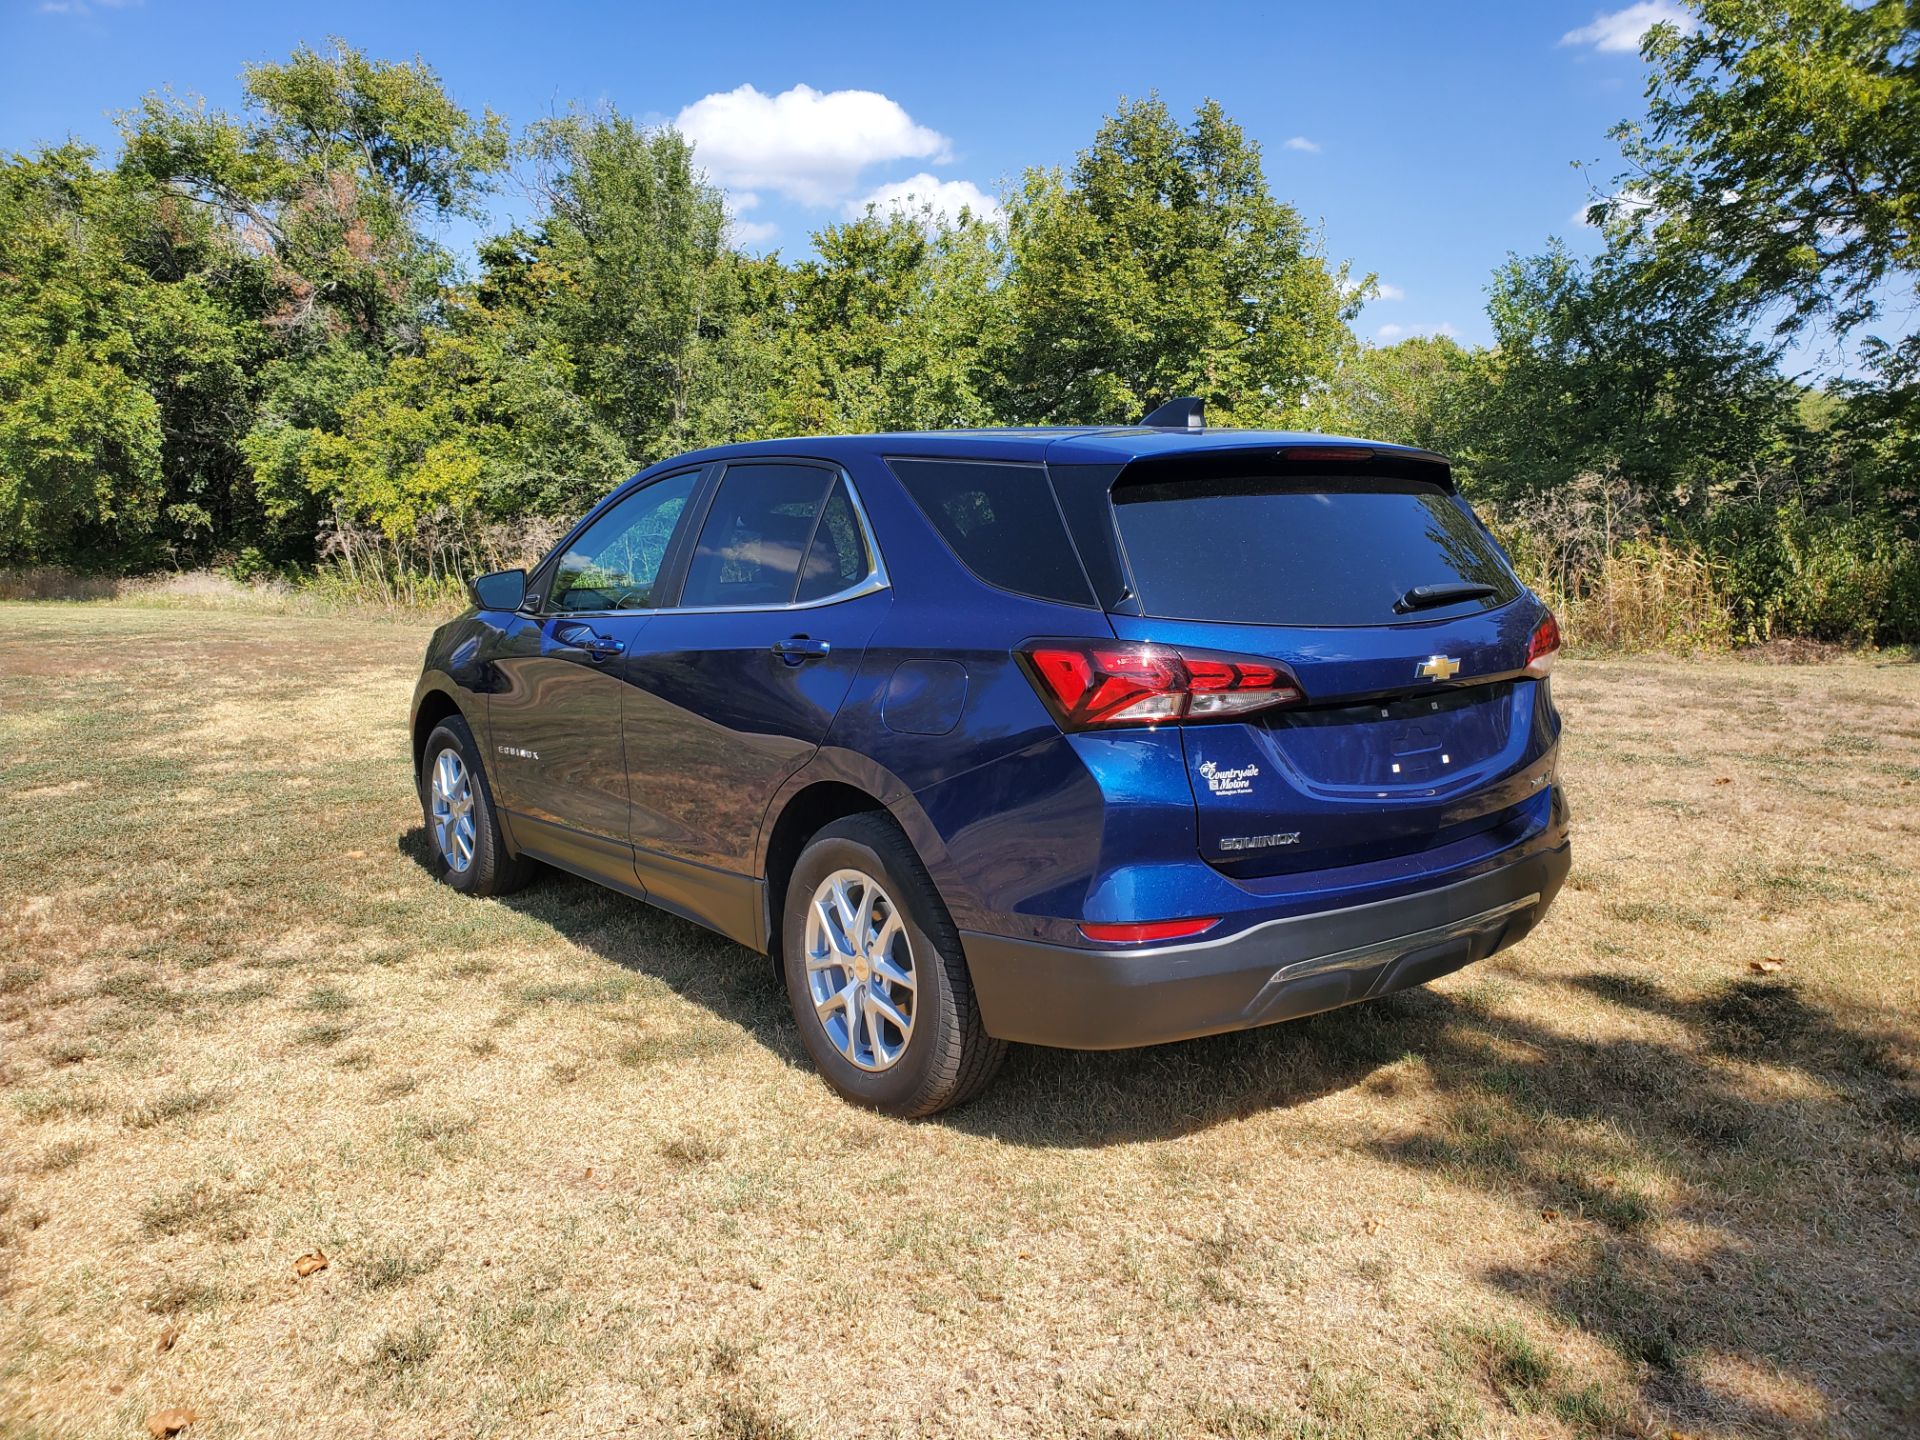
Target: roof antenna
{"points": [[1185, 412]]}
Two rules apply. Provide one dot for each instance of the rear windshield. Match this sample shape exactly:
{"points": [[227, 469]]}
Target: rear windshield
{"points": [[1266, 551]]}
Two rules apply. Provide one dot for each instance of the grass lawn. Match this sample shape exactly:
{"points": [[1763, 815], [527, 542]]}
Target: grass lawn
{"points": [[1656, 1169]]}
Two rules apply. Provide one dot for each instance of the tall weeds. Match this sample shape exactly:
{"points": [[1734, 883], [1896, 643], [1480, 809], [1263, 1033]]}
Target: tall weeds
{"points": [[428, 571], [1591, 553]]}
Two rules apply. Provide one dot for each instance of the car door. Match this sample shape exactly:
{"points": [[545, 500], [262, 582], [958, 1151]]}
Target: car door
{"points": [[558, 761], [732, 686]]}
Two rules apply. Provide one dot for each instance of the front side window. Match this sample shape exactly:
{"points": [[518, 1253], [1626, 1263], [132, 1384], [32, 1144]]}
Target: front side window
{"points": [[755, 536], [614, 562]]}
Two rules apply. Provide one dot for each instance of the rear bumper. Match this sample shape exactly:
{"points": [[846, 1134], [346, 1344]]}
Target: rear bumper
{"points": [[1086, 999]]}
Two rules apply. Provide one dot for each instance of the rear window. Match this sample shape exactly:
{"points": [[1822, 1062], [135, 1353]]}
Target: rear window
{"points": [[837, 559], [1265, 551], [1002, 522], [751, 545]]}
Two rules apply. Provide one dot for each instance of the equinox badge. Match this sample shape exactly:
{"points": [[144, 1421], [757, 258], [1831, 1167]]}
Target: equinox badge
{"points": [[1438, 667]]}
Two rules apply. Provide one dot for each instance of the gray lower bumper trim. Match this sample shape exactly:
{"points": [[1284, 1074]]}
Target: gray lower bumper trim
{"points": [[1090, 999], [1368, 956]]}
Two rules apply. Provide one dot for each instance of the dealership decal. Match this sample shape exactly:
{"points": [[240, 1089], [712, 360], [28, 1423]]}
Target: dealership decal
{"points": [[1222, 781]]}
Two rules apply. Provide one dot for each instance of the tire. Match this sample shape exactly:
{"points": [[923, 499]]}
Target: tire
{"points": [[946, 1058], [490, 868]]}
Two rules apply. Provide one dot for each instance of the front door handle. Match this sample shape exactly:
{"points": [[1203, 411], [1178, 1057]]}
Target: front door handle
{"points": [[796, 648], [584, 637]]}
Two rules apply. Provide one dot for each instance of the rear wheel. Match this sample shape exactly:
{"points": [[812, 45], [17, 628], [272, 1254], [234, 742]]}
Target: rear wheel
{"points": [[876, 975], [463, 828]]}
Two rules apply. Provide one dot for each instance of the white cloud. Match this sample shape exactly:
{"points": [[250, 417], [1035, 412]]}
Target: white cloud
{"points": [[1397, 332], [1383, 291], [1618, 32], [809, 145], [946, 197], [751, 232], [84, 7], [1300, 142]]}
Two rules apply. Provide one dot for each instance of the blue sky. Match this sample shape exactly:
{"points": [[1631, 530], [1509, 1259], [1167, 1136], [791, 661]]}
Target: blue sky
{"points": [[1428, 139]]}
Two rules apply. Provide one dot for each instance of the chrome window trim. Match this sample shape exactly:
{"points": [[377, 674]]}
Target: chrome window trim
{"points": [[875, 580]]}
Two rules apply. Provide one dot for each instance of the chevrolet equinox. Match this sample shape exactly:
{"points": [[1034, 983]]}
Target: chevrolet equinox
{"points": [[1087, 736]]}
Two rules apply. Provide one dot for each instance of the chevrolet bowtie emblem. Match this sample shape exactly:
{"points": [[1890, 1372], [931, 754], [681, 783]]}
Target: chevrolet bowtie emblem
{"points": [[1438, 667]]}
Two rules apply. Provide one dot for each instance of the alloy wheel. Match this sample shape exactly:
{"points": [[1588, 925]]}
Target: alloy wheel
{"points": [[451, 804], [860, 973]]}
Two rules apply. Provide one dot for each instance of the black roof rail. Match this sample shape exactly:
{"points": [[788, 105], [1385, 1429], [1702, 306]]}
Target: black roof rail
{"points": [[1183, 412]]}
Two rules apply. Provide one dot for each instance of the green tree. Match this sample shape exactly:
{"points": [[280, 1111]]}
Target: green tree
{"points": [[1620, 369], [203, 345], [483, 424], [1781, 149], [319, 195], [896, 322], [1775, 181], [633, 273], [1162, 266], [80, 435], [338, 164], [1417, 392]]}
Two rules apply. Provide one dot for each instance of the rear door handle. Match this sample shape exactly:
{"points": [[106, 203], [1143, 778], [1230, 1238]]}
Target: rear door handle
{"points": [[799, 647]]}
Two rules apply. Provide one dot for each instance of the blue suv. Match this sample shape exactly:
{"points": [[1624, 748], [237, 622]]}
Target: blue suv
{"points": [[1089, 737]]}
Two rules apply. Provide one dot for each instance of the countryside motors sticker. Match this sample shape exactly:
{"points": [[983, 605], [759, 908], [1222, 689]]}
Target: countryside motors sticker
{"points": [[1222, 781]]}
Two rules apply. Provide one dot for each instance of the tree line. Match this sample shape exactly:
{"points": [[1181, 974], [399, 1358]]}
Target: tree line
{"points": [[239, 338]]}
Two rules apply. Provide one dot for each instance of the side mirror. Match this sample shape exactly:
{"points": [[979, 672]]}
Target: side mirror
{"points": [[502, 590]]}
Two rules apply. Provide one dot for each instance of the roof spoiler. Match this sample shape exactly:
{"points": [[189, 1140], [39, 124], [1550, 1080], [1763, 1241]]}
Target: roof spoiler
{"points": [[1329, 459], [1183, 412]]}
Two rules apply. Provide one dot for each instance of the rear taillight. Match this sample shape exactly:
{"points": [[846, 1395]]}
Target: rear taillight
{"points": [[1543, 647], [1135, 931], [1091, 684]]}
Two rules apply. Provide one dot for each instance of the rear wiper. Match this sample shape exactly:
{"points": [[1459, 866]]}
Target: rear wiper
{"points": [[1425, 597]]}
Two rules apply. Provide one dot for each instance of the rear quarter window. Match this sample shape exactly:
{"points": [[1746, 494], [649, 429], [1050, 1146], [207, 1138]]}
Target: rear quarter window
{"points": [[1003, 523], [1301, 551]]}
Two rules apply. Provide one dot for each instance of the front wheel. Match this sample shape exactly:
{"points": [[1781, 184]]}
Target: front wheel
{"points": [[470, 853], [876, 975]]}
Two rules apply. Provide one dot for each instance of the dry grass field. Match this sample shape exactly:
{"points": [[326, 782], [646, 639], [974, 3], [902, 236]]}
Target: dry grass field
{"points": [[1656, 1170]]}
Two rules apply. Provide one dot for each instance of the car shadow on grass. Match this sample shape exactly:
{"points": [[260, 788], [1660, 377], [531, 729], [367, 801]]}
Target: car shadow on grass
{"points": [[1045, 1098], [733, 983], [1089, 1099]]}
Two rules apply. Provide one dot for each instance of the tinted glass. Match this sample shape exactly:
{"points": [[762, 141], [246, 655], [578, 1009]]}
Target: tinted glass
{"points": [[1302, 552], [837, 559], [612, 564], [750, 546], [1002, 523]]}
